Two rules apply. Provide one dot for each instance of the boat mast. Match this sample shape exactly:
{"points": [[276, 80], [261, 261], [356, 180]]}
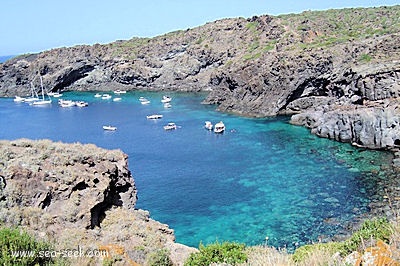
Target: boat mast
{"points": [[41, 85]]}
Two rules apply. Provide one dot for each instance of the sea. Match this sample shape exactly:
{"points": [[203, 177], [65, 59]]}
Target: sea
{"points": [[261, 180]]}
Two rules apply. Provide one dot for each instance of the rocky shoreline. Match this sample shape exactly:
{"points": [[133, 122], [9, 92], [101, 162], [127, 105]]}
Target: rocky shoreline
{"points": [[336, 72], [75, 195]]}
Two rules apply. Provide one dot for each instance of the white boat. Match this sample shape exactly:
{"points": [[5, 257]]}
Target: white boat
{"points": [[19, 99], [119, 91], [42, 101], [145, 102], [219, 127], [110, 128], [97, 95], [208, 125], [81, 104], [54, 94], [34, 96], [166, 99], [167, 105], [106, 96], [170, 126], [66, 103], [118, 99], [155, 116]]}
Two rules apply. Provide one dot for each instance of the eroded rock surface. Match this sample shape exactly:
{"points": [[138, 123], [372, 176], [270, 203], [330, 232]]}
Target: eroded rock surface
{"points": [[78, 195]]}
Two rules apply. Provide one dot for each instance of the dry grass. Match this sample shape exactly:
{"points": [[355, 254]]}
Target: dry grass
{"points": [[327, 255]]}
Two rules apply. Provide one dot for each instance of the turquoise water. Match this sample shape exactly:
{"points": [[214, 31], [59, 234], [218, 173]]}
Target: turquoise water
{"points": [[262, 177]]}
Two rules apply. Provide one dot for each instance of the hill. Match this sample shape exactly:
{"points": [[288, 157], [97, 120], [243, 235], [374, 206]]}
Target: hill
{"points": [[336, 71]]}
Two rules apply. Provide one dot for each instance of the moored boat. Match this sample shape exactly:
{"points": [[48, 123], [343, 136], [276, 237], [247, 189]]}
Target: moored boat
{"points": [[219, 127], [110, 128], [166, 99], [81, 103], [119, 91], [155, 116], [106, 96], [42, 101], [170, 126], [66, 103], [19, 99], [208, 125]]}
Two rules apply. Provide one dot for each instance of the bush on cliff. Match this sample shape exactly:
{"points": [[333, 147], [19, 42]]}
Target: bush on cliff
{"points": [[227, 252], [19, 248], [375, 229]]}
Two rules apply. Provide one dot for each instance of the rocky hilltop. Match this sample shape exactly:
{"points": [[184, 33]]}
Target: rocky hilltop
{"points": [[83, 196], [336, 71]]}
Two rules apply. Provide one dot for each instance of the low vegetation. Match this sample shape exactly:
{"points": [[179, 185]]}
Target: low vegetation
{"points": [[227, 252], [376, 238], [14, 243]]}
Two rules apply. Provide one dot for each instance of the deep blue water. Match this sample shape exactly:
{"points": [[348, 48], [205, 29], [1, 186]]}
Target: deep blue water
{"points": [[262, 177], [4, 58]]}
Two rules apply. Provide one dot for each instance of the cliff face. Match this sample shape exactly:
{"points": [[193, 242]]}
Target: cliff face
{"points": [[262, 66], [79, 196]]}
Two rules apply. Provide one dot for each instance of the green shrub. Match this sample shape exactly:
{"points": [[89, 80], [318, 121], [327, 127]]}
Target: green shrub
{"points": [[378, 228], [159, 258], [227, 252], [15, 240], [303, 252]]}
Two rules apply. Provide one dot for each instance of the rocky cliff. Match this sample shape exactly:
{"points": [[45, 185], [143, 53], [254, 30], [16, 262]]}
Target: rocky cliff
{"points": [[83, 196], [313, 64]]}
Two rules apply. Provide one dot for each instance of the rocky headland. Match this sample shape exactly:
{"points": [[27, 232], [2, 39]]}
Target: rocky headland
{"points": [[79, 196], [336, 72]]}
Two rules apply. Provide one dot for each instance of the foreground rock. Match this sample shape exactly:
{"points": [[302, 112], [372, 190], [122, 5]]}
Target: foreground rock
{"points": [[77, 195]]}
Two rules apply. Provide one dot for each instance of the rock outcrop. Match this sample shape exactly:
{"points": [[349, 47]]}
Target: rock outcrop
{"points": [[79, 196], [314, 64]]}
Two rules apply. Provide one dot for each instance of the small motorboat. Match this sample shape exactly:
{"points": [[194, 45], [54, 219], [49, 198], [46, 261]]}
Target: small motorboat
{"points": [[55, 94], [118, 99], [106, 96], [145, 102], [170, 126], [110, 128], [119, 91], [208, 125], [66, 103], [155, 116], [81, 103], [219, 127], [166, 99], [97, 95], [167, 105]]}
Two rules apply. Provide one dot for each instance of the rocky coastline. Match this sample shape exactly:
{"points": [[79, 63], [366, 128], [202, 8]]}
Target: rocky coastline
{"points": [[75, 195], [336, 72]]}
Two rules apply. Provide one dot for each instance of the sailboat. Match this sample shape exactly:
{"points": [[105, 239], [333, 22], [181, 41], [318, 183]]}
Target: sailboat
{"points": [[34, 97], [42, 101]]}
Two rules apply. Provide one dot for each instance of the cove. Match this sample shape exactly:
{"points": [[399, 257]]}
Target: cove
{"points": [[262, 177]]}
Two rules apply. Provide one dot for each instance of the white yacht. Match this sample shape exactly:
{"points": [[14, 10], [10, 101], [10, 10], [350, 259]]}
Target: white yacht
{"points": [[219, 127], [155, 116], [170, 126], [110, 128]]}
